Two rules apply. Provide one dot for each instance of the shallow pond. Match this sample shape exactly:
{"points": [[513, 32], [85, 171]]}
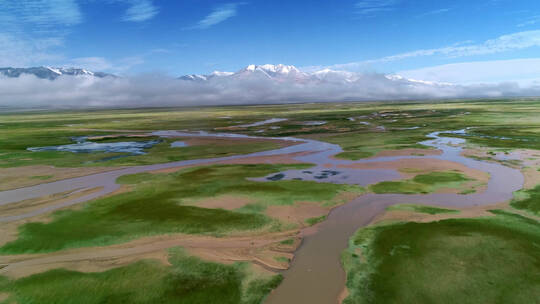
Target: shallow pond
{"points": [[82, 145]]}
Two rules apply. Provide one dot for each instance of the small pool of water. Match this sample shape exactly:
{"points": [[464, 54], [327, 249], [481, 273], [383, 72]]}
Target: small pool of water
{"points": [[336, 176], [82, 145]]}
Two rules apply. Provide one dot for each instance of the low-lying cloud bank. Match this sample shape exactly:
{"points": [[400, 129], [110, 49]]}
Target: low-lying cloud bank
{"points": [[158, 90]]}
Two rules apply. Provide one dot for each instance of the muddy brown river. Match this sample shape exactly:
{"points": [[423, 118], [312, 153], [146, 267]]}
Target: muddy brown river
{"points": [[315, 275]]}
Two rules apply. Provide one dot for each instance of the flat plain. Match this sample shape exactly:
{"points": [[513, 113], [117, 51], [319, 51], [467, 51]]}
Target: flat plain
{"points": [[225, 223]]}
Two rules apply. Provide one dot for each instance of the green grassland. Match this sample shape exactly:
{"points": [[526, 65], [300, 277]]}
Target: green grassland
{"points": [[528, 200], [483, 260], [422, 183], [315, 220], [420, 209], [186, 280], [13, 151], [162, 152], [155, 206], [504, 124]]}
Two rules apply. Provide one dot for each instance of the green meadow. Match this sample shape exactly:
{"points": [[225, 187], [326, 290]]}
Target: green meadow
{"points": [[420, 209], [422, 183], [13, 152], [528, 200], [186, 280], [502, 124], [482, 260], [491, 259], [156, 205]]}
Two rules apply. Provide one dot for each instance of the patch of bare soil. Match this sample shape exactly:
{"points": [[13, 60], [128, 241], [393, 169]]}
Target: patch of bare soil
{"points": [[343, 295], [253, 248], [297, 213], [263, 256], [532, 177], [528, 161], [18, 177], [512, 159], [531, 163], [411, 216]]}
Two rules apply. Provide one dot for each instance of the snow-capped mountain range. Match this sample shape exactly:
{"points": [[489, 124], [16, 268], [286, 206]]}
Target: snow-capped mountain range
{"points": [[289, 73], [280, 73], [50, 72]]}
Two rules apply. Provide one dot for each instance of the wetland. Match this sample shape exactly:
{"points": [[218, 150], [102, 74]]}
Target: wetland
{"points": [[315, 204]]}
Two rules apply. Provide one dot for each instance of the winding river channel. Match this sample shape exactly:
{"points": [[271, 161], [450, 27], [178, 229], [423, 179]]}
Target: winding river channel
{"points": [[315, 275]]}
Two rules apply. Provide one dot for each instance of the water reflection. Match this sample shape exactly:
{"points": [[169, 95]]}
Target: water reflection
{"points": [[82, 145]]}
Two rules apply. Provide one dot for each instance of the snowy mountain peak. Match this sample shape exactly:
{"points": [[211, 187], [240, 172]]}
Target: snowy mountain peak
{"points": [[269, 69], [280, 68], [194, 77], [50, 73], [219, 73], [56, 71], [289, 73]]}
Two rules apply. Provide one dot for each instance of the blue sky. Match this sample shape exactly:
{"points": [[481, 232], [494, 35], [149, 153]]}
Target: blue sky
{"points": [[421, 39]]}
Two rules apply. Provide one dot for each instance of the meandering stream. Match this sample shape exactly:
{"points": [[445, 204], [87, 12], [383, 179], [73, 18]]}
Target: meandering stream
{"points": [[315, 275]]}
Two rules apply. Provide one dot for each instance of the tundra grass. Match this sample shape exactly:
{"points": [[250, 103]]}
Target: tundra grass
{"points": [[42, 177], [287, 242], [315, 220], [497, 123], [528, 200], [155, 206], [420, 209], [360, 145], [163, 152], [14, 153], [483, 260], [282, 259], [422, 183], [186, 280]]}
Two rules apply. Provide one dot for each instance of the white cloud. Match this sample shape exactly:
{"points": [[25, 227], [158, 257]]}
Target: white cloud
{"points": [[39, 14], [530, 21], [504, 43], [140, 10], [523, 71], [159, 90], [23, 51], [32, 30], [369, 7], [435, 12], [218, 15]]}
